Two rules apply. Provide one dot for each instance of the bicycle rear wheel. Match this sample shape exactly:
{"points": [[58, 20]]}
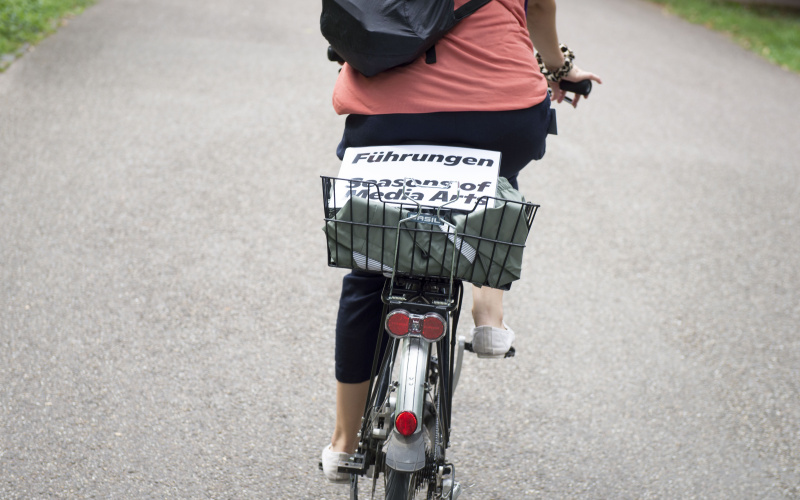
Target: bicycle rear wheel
{"points": [[399, 485]]}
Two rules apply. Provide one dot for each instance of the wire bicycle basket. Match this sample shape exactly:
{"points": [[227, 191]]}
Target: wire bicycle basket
{"points": [[367, 230]]}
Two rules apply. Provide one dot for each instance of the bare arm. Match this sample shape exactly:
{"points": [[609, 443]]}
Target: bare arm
{"points": [[542, 29], [543, 33]]}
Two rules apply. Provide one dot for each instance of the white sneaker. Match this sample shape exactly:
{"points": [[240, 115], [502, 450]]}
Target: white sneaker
{"points": [[330, 465], [491, 342]]}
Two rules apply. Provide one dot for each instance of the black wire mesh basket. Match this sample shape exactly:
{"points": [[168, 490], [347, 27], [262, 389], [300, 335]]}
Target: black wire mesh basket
{"points": [[368, 231]]}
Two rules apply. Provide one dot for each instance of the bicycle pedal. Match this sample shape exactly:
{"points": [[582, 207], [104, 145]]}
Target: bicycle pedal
{"points": [[355, 465], [450, 489], [510, 354]]}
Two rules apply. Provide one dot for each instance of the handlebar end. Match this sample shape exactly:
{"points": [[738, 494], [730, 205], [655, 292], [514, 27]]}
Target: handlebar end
{"points": [[582, 88]]}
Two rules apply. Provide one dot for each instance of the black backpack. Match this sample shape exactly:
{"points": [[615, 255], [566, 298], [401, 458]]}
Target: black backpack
{"points": [[375, 35]]}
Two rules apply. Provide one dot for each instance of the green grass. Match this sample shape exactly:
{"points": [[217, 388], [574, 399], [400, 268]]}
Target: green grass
{"points": [[28, 21], [772, 32]]}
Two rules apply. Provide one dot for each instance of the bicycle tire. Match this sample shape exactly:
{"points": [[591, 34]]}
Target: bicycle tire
{"points": [[399, 485]]}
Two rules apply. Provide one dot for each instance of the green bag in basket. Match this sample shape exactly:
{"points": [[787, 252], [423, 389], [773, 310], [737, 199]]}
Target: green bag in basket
{"points": [[488, 241]]}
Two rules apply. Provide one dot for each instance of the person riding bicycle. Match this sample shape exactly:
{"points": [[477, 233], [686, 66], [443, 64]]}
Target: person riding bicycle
{"points": [[486, 90]]}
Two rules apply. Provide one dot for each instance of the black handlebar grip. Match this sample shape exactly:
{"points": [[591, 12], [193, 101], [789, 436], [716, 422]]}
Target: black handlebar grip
{"points": [[334, 56], [583, 87]]}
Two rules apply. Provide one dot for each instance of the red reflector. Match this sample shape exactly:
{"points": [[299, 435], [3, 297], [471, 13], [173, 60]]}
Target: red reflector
{"points": [[433, 327], [397, 323], [406, 423]]}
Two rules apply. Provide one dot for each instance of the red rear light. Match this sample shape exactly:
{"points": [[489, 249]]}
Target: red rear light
{"points": [[433, 327], [406, 423], [397, 322]]}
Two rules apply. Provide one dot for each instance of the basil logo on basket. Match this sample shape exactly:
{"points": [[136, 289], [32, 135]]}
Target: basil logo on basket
{"points": [[429, 175]]}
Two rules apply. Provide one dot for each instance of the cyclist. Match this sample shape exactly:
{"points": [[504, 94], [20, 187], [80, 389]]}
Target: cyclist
{"points": [[486, 90]]}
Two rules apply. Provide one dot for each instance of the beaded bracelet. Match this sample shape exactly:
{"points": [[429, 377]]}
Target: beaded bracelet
{"points": [[556, 76]]}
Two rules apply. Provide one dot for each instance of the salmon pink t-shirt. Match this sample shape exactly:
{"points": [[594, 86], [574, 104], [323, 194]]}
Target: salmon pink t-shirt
{"points": [[485, 63]]}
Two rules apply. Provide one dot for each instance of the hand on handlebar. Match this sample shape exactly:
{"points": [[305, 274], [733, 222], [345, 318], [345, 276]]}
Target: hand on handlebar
{"points": [[575, 75]]}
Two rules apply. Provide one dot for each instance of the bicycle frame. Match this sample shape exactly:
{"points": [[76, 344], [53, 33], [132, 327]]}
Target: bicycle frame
{"points": [[420, 368], [414, 374]]}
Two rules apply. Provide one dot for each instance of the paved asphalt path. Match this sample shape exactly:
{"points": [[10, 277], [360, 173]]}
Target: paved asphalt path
{"points": [[166, 313]]}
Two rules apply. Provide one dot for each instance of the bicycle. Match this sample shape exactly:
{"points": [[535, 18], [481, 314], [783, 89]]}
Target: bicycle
{"points": [[425, 253]]}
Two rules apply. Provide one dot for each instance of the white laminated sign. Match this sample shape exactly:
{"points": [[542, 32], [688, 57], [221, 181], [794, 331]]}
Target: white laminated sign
{"points": [[429, 175]]}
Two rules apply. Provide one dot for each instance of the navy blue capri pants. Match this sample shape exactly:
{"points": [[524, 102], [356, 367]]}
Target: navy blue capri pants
{"points": [[520, 136]]}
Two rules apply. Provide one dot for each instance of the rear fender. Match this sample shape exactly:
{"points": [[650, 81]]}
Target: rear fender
{"points": [[407, 454]]}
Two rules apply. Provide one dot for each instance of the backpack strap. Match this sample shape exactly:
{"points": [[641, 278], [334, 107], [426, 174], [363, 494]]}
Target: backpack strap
{"points": [[460, 13], [469, 8], [430, 55]]}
